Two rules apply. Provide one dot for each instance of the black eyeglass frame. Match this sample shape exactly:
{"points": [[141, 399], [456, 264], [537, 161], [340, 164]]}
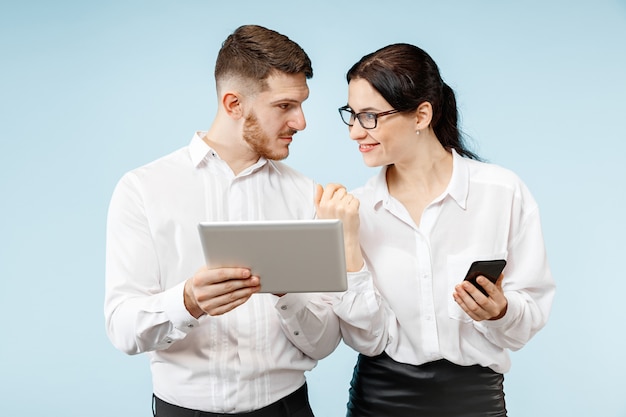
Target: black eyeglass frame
{"points": [[357, 116]]}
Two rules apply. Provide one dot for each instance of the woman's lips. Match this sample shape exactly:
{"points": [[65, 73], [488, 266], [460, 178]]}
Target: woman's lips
{"points": [[366, 147]]}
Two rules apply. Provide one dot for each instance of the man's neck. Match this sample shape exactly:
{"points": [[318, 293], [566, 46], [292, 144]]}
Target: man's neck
{"points": [[232, 150]]}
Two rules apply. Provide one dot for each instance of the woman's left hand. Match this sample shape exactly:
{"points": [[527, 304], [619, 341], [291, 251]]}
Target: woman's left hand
{"points": [[479, 306]]}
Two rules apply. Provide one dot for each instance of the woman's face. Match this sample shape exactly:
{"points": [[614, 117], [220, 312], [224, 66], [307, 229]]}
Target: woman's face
{"points": [[392, 140]]}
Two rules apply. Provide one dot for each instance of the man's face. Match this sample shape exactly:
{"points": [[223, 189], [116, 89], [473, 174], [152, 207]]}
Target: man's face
{"points": [[275, 115]]}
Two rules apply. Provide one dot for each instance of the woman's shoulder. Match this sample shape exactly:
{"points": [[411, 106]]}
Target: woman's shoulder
{"points": [[497, 177], [371, 185], [492, 172]]}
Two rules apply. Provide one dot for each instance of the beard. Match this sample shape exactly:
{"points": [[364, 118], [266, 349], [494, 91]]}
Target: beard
{"points": [[260, 142]]}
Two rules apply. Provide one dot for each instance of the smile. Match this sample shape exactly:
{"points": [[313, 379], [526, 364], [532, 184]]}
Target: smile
{"points": [[367, 147]]}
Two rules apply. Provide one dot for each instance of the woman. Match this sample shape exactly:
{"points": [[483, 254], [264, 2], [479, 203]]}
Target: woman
{"points": [[431, 343]]}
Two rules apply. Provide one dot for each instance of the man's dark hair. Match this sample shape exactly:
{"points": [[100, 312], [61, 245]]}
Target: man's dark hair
{"points": [[253, 53]]}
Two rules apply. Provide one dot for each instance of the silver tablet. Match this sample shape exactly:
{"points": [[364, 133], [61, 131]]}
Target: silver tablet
{"points": [[288, 256]]}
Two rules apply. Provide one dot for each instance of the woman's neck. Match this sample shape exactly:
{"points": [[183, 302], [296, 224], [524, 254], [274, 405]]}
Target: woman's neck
{"points": [[418, 183]]}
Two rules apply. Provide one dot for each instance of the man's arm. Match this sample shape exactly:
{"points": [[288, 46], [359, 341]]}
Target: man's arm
{"points": [[140, 314], [310, 323]]}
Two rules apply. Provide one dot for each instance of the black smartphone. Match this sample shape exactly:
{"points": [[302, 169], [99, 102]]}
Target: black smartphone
{"points": [[489, 269]]}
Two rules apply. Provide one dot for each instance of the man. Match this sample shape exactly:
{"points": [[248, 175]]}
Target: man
{"points": [[215, 346]]}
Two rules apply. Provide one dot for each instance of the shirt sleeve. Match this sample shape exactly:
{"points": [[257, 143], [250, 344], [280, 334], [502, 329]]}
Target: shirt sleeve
{"points": [[363, 315], [140, 316], [528, 286], [309, 323]]}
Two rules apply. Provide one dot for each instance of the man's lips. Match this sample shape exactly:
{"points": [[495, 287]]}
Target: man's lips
{"points": [[287, 136]]}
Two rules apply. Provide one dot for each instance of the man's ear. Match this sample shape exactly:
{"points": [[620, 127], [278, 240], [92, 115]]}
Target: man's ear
{"points": [[231, 102]]}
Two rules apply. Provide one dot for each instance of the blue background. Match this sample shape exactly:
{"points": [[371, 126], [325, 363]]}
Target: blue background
{"points": [[89, 90]]}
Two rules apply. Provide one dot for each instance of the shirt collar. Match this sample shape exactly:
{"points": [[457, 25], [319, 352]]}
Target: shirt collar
{"points": [[381, 192], [199, 150], [200, 153], [457, 189]]}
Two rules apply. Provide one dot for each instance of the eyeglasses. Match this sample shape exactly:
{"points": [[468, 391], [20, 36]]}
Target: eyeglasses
{"points": [[368, 120]]}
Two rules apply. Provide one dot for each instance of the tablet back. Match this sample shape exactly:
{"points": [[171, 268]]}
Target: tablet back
{"points": [[288, 256]]}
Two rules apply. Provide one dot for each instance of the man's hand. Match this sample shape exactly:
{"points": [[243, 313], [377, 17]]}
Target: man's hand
{"points": [[477, 305], [218, 291]]}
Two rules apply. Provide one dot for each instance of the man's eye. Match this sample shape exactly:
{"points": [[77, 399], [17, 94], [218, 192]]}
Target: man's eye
{"points": [[284, 106]]}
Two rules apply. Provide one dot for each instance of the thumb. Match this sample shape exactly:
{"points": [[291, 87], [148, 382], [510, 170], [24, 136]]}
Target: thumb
{"points": [[319, 190]]}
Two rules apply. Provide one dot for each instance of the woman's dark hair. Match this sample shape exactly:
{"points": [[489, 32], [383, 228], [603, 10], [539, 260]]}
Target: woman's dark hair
{"points": [[406, 76]]}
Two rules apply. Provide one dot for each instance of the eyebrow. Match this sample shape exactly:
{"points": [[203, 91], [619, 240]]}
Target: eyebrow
{"points": [[365, 110], [286, 100]]}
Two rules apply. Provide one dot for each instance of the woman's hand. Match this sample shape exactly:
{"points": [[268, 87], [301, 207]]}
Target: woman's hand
{"points": [[334, 202], [479, 306]]}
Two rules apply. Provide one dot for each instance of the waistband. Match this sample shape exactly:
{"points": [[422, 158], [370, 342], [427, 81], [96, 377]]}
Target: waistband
{"points": [[382, 386], [283, 407]]}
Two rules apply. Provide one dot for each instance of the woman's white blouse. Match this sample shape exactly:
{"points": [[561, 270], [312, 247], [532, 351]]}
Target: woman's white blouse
{"points": [[401, 302]]}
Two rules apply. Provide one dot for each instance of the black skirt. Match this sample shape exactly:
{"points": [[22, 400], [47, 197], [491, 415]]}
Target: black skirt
{"points": [[382, 387]]}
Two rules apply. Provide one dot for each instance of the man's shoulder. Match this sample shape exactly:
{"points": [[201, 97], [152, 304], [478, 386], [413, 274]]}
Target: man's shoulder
{"points": [[160, 170], [173, 160], [177, 157]]}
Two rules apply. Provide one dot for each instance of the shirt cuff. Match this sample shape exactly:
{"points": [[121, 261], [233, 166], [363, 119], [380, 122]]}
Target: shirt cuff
{"points": [[360, 281], [289, 304], [174, 307]]}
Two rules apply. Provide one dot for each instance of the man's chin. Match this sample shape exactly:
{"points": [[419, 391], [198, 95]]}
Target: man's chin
{"points": [[280, 157]]}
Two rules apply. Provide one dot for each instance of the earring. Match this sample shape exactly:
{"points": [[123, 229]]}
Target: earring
{"points": [[417, 132]]}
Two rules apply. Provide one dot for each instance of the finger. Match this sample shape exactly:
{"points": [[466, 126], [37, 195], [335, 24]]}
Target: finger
{"points": [[219, 303], [460, 301], [486, 284], [494, 291], [340, 193], [499, 281], [496, 305], [220, 309], [236, 286], [330, 190], [319, 190], [473, 291], [217, 275], [471, 300]]}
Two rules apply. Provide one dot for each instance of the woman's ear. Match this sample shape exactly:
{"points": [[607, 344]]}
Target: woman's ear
{"points": [[423, 116], [231, 102]]}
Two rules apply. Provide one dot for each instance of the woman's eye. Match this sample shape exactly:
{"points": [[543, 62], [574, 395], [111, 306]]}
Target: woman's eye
{"points": [[370, 116]]}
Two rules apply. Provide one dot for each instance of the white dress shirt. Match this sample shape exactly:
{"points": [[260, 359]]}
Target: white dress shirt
{"points": [[485, 213], [242, 360]]}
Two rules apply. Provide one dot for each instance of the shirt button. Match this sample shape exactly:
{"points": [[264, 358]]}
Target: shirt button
{"points": [[190, 325], [297, 333], [284, 307], [168, 341]]}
